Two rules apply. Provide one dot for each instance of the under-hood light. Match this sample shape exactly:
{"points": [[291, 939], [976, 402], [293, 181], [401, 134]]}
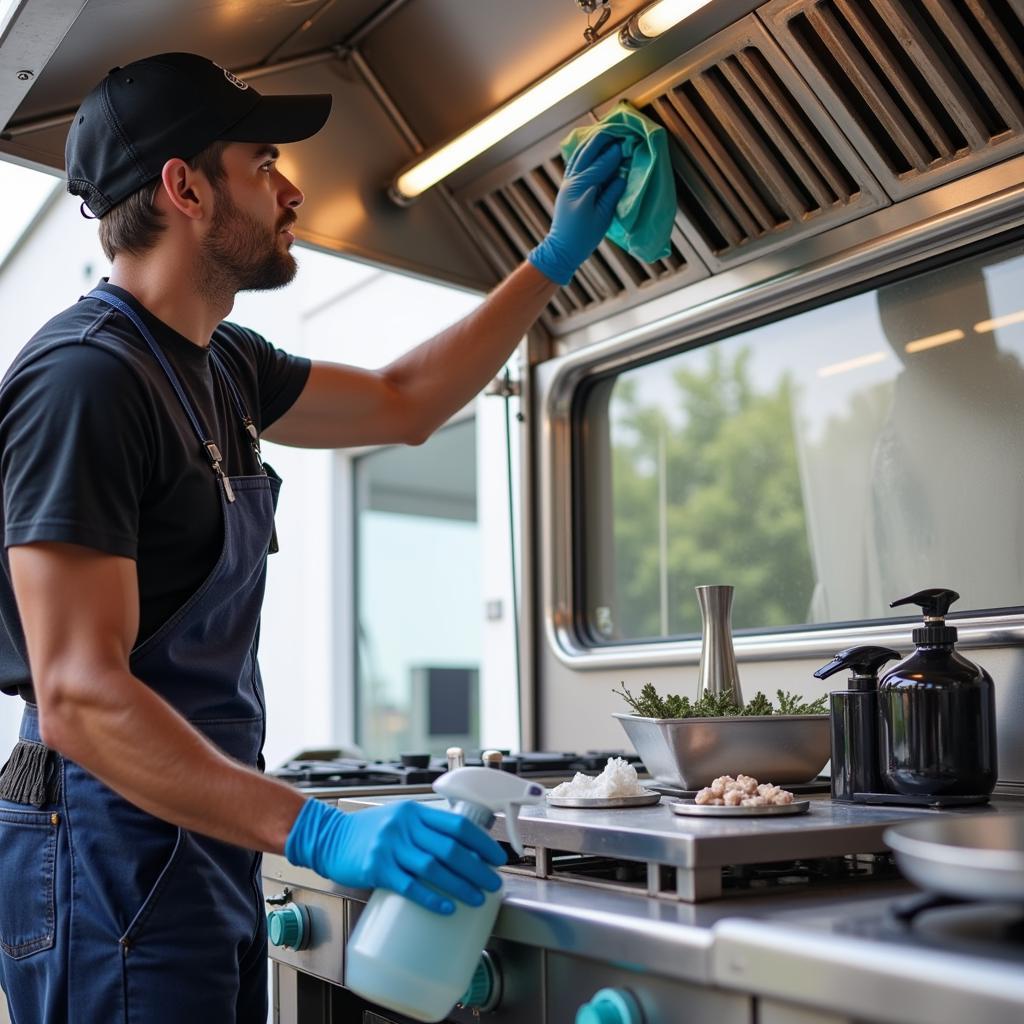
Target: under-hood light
{"points": [[585, 67]]}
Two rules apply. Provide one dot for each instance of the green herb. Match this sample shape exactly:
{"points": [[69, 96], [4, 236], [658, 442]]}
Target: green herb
{"points": [[758, 705], [711, 705], [650, 704], [791, 704]]}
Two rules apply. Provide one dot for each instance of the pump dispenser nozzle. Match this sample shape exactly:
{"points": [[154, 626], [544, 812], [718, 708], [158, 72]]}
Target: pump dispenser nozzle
{"points": [[863, 663], [935, 602]]}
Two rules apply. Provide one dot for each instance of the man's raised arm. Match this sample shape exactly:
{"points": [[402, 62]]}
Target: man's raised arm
{"points": [[408, 400]]}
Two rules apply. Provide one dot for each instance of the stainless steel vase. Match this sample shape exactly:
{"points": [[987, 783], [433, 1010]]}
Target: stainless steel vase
{"points": [[718, 672]]}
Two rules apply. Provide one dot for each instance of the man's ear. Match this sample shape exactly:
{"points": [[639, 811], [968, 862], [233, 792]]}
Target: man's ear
{"points": [[186, 190]]}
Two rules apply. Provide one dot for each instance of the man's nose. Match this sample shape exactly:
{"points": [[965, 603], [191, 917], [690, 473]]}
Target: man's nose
{"points": [[291, 194]]}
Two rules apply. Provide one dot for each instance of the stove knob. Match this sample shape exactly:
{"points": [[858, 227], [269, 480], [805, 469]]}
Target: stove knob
{"points": [[288, 926], [610, 1006], [484, 992]]}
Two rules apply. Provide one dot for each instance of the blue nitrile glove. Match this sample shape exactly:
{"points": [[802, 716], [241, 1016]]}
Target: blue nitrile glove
{"points": [[425, 854], [584, 208]]}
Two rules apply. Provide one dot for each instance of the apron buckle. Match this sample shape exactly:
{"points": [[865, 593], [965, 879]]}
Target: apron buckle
{"points": [[213, 454]]}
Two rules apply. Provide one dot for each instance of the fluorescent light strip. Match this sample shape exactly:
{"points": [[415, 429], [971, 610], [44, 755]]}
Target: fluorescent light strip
{"points": [[584, 68], [933, 341], [662, 16], [852, 364], [509, 118], [1000, 321]]}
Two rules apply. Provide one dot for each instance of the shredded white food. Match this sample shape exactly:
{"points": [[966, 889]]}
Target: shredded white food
{"points": [[617, 779], [743, 791]]}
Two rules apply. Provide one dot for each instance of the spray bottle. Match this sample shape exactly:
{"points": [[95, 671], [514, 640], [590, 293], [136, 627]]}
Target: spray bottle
{"points": [[410, 959]]}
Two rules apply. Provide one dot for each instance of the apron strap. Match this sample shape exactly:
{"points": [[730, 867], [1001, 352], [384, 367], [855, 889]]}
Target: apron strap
{"points": [[236, 396], [208, 445]]}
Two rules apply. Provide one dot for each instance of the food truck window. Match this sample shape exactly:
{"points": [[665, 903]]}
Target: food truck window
{"points": [[824, 464], [418, 623]]}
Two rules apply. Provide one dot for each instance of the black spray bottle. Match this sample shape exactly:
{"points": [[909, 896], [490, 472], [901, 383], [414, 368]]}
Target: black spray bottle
{"points": [[854, 720], [937, 713]]}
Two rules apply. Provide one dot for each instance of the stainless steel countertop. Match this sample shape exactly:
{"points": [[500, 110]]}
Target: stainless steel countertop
{"points": [[772, 943], [655, 834]]}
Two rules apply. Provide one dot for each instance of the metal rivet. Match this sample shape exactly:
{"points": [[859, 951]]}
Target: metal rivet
{"points": [[24, 76], [54, 819]]}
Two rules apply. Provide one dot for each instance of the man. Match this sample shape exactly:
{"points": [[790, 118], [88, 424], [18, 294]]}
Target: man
{"points": [[137, 520]]}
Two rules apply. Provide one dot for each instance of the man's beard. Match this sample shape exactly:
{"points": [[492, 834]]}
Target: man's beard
{"points": [[240, 253]]}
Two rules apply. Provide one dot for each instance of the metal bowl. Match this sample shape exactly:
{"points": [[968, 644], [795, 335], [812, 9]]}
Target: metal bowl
{"points": [[976, 857], [689, 753]]}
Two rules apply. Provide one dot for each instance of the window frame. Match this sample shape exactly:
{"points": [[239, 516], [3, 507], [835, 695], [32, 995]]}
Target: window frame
{"points": [[889, 245]]}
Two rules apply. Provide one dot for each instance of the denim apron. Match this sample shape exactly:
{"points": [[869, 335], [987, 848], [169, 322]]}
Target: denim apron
{"points": [[108, 914]]}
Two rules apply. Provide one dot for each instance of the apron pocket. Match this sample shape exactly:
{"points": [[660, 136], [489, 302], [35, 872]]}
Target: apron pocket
{"points": [[29, 843], [131, 936]]}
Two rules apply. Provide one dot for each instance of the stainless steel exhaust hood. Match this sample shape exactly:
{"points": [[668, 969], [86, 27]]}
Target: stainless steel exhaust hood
{"points": [[786, 118]]}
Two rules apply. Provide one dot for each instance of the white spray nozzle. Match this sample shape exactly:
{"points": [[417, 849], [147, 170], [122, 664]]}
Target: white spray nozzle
{"points": [[495, 790]]}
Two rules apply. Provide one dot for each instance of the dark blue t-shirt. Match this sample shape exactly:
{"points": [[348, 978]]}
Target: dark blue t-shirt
{"points": [[95, 449]]}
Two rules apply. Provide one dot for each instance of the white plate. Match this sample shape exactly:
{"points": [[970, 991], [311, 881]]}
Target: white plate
{"points": [[688, 807], [644, 799]]}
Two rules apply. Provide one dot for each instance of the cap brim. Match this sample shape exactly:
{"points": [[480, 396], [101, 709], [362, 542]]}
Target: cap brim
{"points": [[282, 119]]}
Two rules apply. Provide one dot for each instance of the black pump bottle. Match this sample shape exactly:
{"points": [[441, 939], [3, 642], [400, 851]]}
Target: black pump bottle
{"points": [[937, 713], [854, 720]]}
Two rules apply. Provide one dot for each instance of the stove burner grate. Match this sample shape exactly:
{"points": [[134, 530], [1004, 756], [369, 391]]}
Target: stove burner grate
{"points": [[422, 769], [949, 924], [667, 882]]}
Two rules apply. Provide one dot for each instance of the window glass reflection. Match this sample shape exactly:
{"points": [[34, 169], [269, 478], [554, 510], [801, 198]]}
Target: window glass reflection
{"points": [[824, 465]]}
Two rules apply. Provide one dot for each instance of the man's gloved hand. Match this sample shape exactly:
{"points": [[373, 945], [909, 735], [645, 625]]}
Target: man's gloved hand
{"points": [[584, 208], [428, 855]]}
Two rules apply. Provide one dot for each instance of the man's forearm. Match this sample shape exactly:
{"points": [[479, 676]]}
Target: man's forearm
{"points": [[128, 737], [442, 374]]}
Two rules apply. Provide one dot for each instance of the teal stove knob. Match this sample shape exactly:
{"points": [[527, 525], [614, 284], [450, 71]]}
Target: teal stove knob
{"points": [[288, 926], [610, 1006], [484, 992]]}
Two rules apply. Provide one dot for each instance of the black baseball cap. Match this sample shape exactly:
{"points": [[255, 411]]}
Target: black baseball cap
{"points": [[172, 105]]}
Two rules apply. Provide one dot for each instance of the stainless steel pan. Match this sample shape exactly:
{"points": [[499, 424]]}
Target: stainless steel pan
{"points": [[979, 857]]}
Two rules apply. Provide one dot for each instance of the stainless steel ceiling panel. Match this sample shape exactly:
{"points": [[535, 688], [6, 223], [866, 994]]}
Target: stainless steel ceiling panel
{"points": [[330, 22], [31, 34], [928, 92], [758, 160], [42, 151], [344, 171], [235, 33], [448, 63]]}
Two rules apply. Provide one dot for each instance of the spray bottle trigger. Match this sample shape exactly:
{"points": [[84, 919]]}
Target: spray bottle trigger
{"points": [[533, 794]]}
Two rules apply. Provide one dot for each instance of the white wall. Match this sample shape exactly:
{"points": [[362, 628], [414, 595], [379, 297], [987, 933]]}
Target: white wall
{"points": [[337, 310]]}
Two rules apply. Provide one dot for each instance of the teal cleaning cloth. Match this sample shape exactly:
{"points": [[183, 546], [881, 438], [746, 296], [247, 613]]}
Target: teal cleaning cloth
{"points": [[645, 213]]}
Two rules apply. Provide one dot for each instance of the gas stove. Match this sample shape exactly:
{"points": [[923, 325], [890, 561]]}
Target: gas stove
{"points": [[788, 919], [326, 777], [907, 957]]}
